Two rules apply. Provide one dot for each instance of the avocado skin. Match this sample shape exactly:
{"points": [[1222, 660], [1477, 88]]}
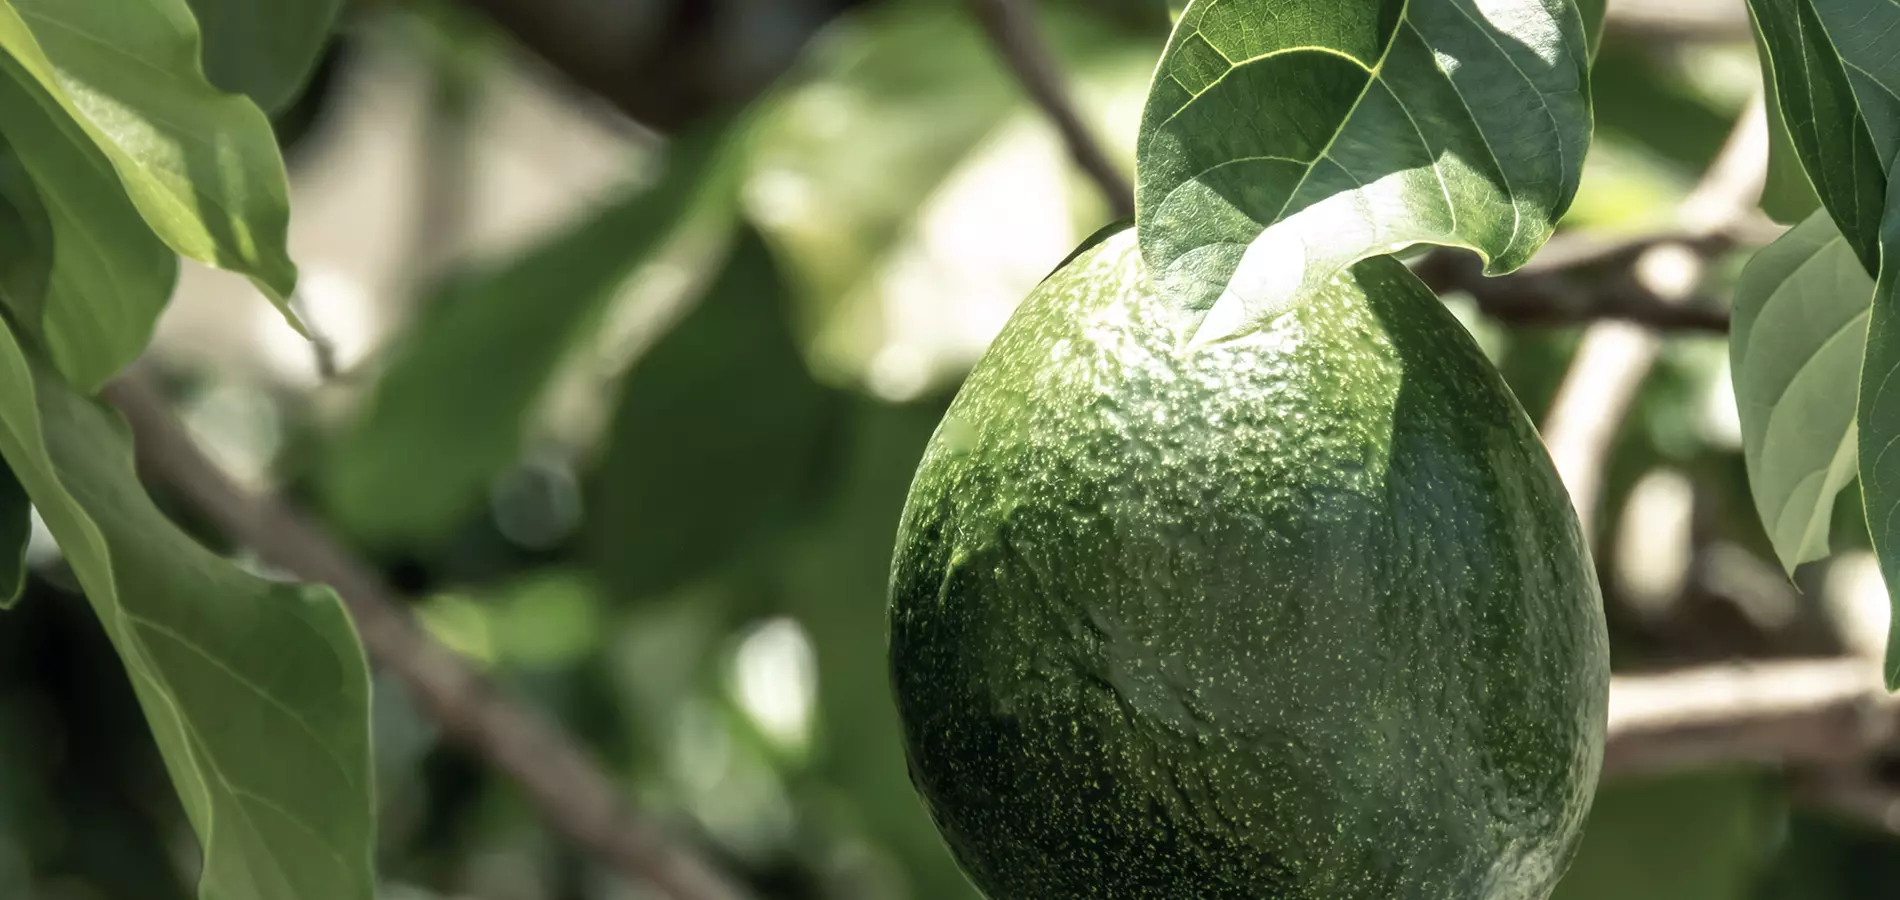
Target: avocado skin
{"points": [[1304, 615]]}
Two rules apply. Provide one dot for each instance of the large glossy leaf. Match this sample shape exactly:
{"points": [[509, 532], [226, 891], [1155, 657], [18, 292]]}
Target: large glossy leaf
{"points": [[1285, 140], [717, 436], [1799, 333], [1837, 80], [16, 527], [200, 165], [256, 691], [95, 278], [263, 50], [448, 414]]}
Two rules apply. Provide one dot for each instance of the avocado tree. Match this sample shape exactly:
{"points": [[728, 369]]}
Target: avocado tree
{"points": [[1236, 568]]}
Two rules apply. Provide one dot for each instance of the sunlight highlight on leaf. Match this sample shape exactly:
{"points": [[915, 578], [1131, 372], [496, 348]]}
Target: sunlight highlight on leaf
{"points": [[1285, 141], [201, 166]]}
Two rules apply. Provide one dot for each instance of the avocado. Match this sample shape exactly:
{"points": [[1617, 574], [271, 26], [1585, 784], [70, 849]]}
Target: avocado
{"points": [[1300, 615]]}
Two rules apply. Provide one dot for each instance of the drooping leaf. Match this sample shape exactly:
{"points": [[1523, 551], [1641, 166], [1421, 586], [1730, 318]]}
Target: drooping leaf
{"points": [[718, 432], [16, 527], [1837, 81], [1879, 420], [85, 276], [256, 691], [1799, 333], [1284, 141], [201, 166], [448, 414], [1787, 196], [263, 50]]}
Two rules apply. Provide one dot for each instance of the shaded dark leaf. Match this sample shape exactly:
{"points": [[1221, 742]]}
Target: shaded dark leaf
{"points": [[717, 437]]}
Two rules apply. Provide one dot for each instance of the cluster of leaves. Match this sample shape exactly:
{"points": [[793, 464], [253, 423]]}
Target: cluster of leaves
{"points": [[1815, 317], [119, 156]]}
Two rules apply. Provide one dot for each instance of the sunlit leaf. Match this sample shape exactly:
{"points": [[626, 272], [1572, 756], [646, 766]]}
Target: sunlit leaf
{"points": [[1838, 82], [1284, 141], [201, 166], [718, 434], [16, 527], [256, 691], [263, 50], [449, 413], [1799, 333], [85, 277]]}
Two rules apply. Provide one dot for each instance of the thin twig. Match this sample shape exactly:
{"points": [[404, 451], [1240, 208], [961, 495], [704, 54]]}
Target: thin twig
{"points": [[1012, 28], [1615, 357], [1821, 713], [574, 796]]}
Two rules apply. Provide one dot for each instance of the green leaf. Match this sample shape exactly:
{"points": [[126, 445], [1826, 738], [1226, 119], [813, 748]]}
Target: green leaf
{"points": [[201, 166], [16, 528], [1838, 83], [1788, 196], [448, 414], [717, 436], [1285, 140], [255, 690], [1595, 14], [263, 50], [1879, 418], [84, 275], [1795, 350]]}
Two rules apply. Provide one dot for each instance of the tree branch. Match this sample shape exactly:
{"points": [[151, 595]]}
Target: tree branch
{"points": [[1615, 357], [574, 796], [1824, 713], [1012, 28], [1552, 297]]}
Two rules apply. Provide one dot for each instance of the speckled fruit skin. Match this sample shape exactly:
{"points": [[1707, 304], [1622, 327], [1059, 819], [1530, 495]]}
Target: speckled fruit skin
{"points": [[1299, 616]]}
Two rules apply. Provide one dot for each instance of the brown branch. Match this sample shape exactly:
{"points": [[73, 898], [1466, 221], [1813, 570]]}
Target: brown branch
{"points": [[1555, 298], [1012, 28], [573, 795], [1614, 357], [1823, 713]]}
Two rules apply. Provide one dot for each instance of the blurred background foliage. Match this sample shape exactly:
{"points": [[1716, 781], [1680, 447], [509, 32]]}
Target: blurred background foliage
{"points": [[632, 419]]}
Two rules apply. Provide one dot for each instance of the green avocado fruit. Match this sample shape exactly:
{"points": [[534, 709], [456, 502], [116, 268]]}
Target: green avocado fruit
{"points": [[1300, 615]]}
